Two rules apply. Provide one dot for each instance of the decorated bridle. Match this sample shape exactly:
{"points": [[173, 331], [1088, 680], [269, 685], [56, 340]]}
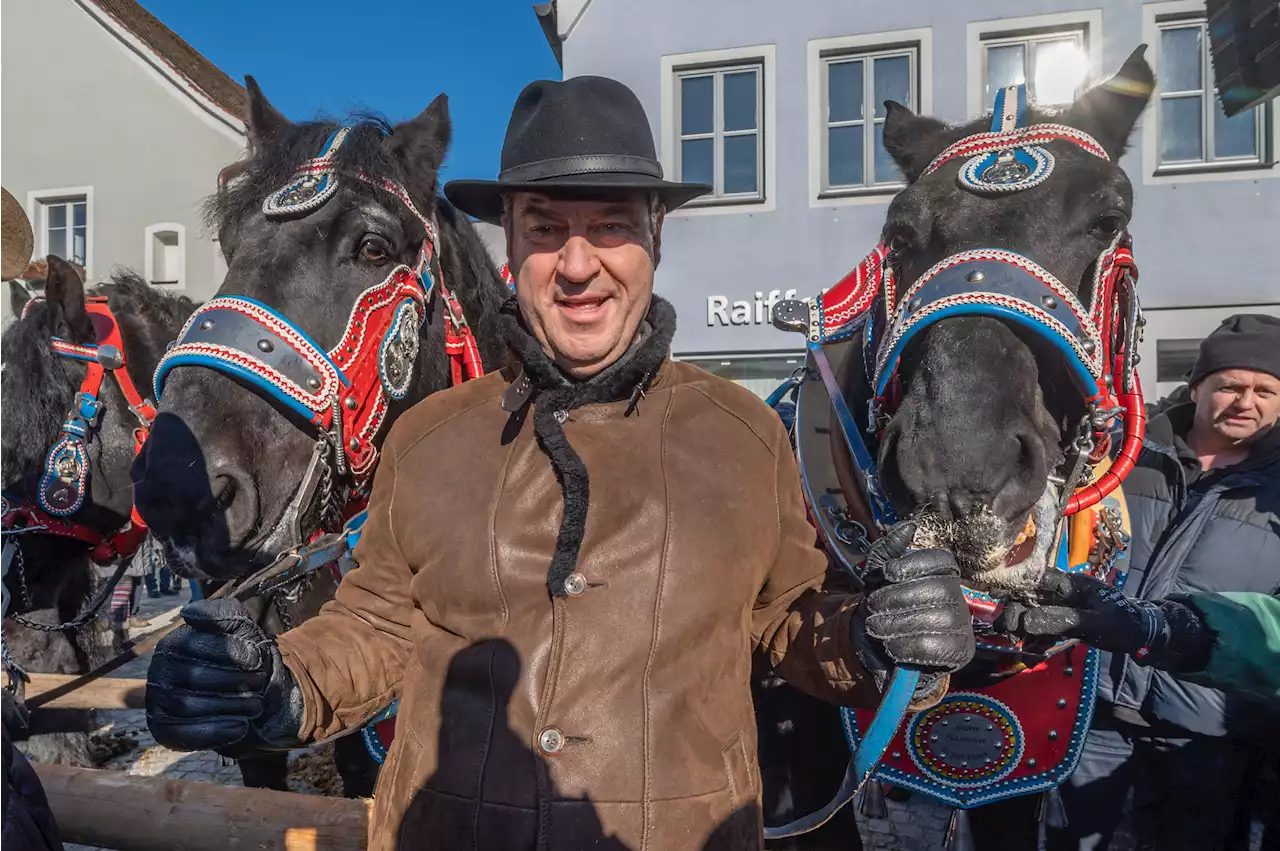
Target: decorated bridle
{"points": [[1097, 336], [64, 483], [342, 394]]}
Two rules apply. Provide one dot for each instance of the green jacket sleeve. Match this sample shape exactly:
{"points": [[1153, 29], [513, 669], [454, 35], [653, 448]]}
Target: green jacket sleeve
{"points": [[1246, 653]]}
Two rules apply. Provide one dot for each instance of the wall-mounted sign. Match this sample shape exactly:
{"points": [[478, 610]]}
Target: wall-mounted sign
{"points": [[722, 311]]}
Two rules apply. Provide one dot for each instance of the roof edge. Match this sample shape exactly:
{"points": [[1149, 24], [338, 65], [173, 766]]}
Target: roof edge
{"points": [[228, 121], [548, 19]]}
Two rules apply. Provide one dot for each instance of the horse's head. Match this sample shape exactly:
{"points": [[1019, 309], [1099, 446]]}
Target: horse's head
{"points": [[987, 407], [233, 473], [39, 387]]}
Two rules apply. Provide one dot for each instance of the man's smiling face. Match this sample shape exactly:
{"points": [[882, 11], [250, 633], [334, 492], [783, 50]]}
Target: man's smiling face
{"points": [[584, 272]]}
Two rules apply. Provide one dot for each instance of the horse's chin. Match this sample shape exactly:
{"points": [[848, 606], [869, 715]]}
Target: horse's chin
{"points": [[995, 555]]}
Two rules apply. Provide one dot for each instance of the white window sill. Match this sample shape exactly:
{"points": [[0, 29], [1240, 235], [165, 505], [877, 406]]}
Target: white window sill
{"points": [[723, 206], [1207, 172]]}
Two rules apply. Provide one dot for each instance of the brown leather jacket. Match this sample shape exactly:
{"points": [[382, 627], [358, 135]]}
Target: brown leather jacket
{"points": [[618, 716]]}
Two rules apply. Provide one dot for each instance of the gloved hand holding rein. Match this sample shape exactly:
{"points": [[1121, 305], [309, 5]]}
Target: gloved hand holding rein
{"points": [[218, 683], [1166, 634], [914, 613]]}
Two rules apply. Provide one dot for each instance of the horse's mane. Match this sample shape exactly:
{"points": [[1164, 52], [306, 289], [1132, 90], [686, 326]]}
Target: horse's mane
{"points": [[38, 389], [279, 156], [469, 269]]}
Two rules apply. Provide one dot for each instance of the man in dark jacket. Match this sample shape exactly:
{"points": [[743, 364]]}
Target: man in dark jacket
{"points": [[1205, 507]]}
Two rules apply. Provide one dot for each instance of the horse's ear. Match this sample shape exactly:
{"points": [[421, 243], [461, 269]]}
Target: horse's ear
{"points": [[19, 295], [265, 121], [64, 292], [1109, 111], [421, 143], [912, 140]]}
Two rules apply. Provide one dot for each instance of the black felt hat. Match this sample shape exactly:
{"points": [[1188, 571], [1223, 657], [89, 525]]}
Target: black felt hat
{"points": [[584, 134], [1244, 341]]}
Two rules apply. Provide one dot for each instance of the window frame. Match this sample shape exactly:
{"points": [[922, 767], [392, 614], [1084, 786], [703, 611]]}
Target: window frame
{"points": [[762, 56], [149, 261], [38, 202], [867, 125], [821, 52], [982, 34], [1208, 94], [718, 132], [1153, 173]]}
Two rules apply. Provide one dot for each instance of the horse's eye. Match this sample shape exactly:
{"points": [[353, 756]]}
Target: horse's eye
{"points": [[1108, 225], [374, 249]]}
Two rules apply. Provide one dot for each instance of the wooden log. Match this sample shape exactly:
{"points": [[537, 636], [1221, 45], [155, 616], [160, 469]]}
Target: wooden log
{"points": [[105, 693], [111, 809]]}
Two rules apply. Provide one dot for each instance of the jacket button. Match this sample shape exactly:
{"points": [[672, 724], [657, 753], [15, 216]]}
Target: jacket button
{"points": [[575, 584], [550, 741]]}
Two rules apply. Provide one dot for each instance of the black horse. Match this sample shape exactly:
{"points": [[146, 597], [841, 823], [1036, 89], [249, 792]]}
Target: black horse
{"points": [[223, 463], [51, 578], [986, 411]]}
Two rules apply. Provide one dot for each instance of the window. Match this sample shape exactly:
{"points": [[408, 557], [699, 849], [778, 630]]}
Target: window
{"points": [[1057, 56], [759, 374], [717, 127], [721, 142], [165, 253], [1193, 130], [62, 222], [1175, 358], [854, 91], [64, 228], [1054, 66]]}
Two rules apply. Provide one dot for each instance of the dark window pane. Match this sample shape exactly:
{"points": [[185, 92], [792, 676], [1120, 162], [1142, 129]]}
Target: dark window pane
{"points": [[57, 215], [740, 171], [1175, 358], [740, 94], [1006, 66], [886, 168], [78, 215], [1180, 54], [844, 91], [1234, 137], [58, 242], [844, 156], [892, 80], [1180, 130], [697, 105], [697, 157]]}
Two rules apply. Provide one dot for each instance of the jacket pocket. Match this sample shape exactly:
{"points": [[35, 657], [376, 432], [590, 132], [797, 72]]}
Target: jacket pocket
{"points": [[737, 769]]}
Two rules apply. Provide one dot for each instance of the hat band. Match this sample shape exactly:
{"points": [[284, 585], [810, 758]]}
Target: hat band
{"points": [[587, 164]]}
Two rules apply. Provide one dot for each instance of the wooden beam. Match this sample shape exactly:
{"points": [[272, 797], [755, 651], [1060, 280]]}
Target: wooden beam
{"points": [[110, 809], [105, 693]]}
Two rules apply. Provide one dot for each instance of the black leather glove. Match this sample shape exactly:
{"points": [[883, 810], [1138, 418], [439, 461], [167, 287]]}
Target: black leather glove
{"points": [[1166, 634], [218, 683], [914, 613]]}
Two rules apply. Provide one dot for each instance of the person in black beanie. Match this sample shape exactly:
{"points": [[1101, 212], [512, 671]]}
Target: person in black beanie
{"points": [[1205, 506]]}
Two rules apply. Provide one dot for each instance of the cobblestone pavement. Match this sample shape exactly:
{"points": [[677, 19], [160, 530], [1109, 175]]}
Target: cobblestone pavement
{"points": [[918, 824]]}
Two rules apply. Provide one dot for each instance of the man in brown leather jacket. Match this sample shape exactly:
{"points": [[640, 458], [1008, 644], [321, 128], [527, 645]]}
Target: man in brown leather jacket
{"points": [[568, 563]]}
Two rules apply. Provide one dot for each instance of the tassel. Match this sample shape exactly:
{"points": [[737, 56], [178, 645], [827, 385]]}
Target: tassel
{"points": [[959, 834], [1053, 811], [871, 800]]}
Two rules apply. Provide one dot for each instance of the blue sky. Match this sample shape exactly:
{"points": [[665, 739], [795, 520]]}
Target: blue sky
{"points": [[391, 56]]}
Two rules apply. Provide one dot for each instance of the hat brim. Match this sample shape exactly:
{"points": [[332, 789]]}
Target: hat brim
{"points": [[18, 240], [483, 198]]}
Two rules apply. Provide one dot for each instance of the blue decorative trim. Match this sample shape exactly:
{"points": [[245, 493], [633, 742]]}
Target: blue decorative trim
{"points": [[402, 333], [372, 742], [230, 367], [1080, 369], [67, 451]]}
